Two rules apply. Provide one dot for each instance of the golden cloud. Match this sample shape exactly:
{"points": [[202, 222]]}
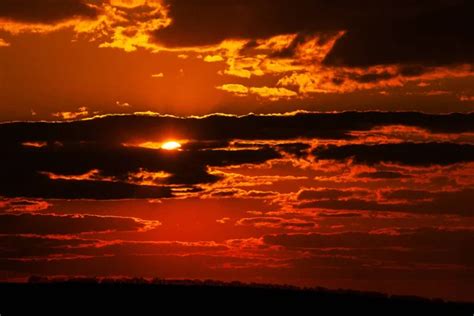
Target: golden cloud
{"points": [[295, 60], [264, 92], [4, 43], [123, 24], [81, 112]]}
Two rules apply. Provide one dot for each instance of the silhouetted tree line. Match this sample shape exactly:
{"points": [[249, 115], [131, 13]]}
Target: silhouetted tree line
{"points": [[138, 295]]}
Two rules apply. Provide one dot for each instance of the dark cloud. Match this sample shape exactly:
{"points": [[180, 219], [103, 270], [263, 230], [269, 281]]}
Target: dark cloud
{"points": [[22, 247], [49, 224], [371, 77], [413, 239], [126, 128], [151, 248], [409, 254], [339, 215], [382, 175], [22, 205], [328, 194], [275, 222], [296, 149], [415, 154], [40, 186], [56, 167], [377, 32], [165, 266], [438, 36], [17, 246], [443, 202], [26, 170], [443, 256], [44, 11], [210, 21], [410, 194]]}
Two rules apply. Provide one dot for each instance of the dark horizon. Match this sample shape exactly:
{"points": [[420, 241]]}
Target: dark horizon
{"points": [[136, 293], [303, 142]]}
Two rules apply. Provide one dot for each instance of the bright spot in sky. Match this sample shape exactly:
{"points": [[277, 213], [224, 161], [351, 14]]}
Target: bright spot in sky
{"points": [[172, 145]]}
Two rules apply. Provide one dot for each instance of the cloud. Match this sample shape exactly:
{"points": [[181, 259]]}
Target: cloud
{"points": [[264, 92], [213, 58], [413, 38], [421, 238], [40, 11], [457, 202], [85, 159], [114, 24], [466, 98], [375, 33], [400, 133], [29, 246], [22, 205], [4, 43], [81, 112], [215, 22], [35, 247], [50, 224], [382, 175], [239, 193], [237, 89], [151, 248], [403, 250], [272, 93], [109, 129], [320, 194], [33, 185], [317, 47], [415, 154], [313, 46], [326, 79], [84, 170], [276, 223]]}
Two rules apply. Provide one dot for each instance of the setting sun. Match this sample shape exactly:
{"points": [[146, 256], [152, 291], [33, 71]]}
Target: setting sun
{"points": [[291, 148], [171, 145]]}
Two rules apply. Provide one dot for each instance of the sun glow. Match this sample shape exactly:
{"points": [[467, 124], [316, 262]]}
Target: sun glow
{"points": [[171, 145]]}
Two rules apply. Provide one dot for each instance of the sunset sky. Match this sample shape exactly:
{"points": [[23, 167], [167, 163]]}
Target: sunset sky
{"points": [[303, 142]]}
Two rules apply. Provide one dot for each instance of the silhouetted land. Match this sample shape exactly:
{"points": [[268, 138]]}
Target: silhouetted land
{"points": [[87, 296]]}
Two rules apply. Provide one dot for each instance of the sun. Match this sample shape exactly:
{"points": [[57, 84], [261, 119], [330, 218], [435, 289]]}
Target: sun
{"points": [[171, 145]]}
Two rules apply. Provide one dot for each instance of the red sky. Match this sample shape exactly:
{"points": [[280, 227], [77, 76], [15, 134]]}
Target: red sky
{"points": [[301, 192]]}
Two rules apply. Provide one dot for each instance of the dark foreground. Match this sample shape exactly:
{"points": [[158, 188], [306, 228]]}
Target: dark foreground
{"points": [[140, 297]]}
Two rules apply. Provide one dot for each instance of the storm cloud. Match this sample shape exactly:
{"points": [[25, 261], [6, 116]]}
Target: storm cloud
{"points": [[44, 11], [377, 32]]}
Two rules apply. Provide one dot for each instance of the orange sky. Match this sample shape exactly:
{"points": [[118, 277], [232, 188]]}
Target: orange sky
{"points": [[120, 57], [351, 174]]}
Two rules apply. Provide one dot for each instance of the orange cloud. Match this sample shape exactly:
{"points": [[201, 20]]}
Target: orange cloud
{"points": [[4, 43], [81, 112], [93, 175], [296, 60], [213, 58], [143, 177], [273, 93], [263, 92], [276, 223], [35, 144], [123, 24], [23, 205], [322, 79], [401, 133], [237, 89], [466, 98], [300, 66], [238, 193]]}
